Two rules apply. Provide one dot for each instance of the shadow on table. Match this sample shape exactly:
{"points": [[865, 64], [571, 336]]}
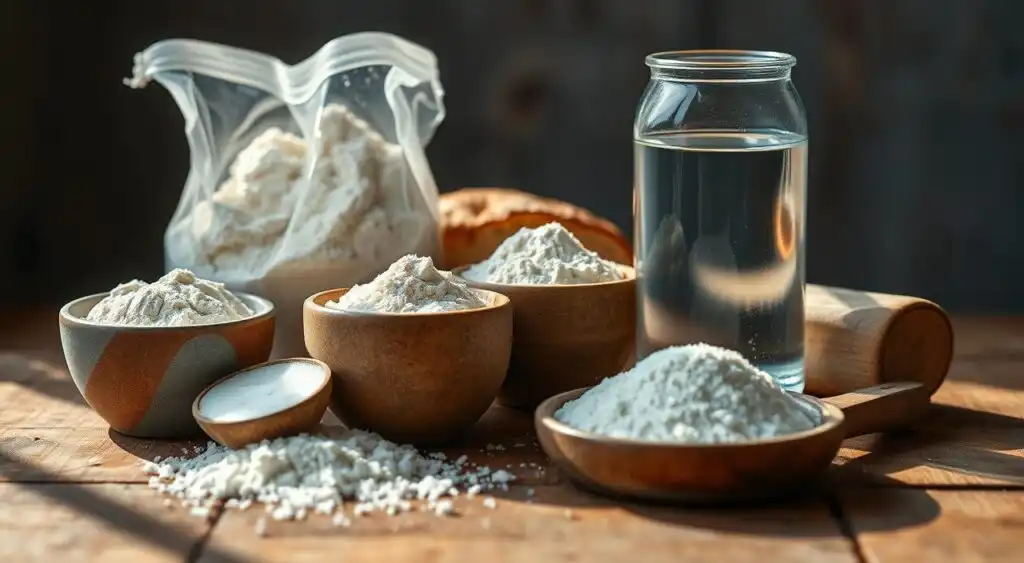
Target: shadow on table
{"points": [[816, 514], [39, 375], [996, 372], [955, 439], [131, 522], [149, 449]]}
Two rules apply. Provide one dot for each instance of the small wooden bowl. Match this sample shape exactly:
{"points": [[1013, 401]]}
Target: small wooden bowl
{"points": [[565, 336], [724, 473], [421, 378], [142, 380], [300, 417]]}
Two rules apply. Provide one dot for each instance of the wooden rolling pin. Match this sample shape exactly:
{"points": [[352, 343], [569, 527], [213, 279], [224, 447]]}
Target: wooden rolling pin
{"points": [[856, 339]]}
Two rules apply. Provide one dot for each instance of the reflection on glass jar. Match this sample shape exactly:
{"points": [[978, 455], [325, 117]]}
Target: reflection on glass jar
{"points": [[720, 182]]}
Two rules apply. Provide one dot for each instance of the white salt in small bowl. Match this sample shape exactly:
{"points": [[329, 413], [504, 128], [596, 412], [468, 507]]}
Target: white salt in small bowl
{"points": [[268, 400]]}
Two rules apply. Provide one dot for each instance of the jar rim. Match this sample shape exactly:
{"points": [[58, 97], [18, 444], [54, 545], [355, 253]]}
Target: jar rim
{"points": [[720, 59]]}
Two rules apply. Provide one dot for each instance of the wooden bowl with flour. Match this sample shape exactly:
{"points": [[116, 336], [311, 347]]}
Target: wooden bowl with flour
{"points": [[420, 378], [565, 336]]}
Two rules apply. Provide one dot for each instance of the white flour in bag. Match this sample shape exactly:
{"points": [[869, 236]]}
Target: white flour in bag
{"points": [[411, 285], [547, 255], [178, 298], [266, 231], [695, 394]]}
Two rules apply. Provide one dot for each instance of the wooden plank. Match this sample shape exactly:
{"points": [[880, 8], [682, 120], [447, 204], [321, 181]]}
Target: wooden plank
{"points": [[112, 523], [37, 392], [78, 455], [97, 454], [973, 435], [988, 337], [937, 525], [559, 524]]}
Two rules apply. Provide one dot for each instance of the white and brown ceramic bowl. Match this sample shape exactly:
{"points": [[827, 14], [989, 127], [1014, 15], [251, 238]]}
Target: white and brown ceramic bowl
{"points": [[143, 380]]}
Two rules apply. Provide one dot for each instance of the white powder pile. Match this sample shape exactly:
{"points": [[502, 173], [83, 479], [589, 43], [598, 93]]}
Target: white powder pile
{"points": [[179, 298], [547, 255], [302, 475], [694, 394], [411, 285], [261, 391]]}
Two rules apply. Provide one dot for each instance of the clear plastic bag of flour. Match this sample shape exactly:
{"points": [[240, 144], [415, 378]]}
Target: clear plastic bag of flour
{"points": [[303, 178]]}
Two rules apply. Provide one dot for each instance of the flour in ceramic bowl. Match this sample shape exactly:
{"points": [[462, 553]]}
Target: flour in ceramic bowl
{"points": [[178, 298], [689, 394], [546, 255], [411, 285]]}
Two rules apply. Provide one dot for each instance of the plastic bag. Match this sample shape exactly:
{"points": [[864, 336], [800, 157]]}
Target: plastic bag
{"points": [[303, 178]]}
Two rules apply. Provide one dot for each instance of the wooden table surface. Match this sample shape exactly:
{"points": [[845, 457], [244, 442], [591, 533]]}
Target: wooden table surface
{"points": [[950, 489]]}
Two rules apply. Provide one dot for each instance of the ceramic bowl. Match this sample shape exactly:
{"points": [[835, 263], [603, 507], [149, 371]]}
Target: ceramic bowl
{"points": [[301, 414], [143, 380], [420, 378], [565, 336]]}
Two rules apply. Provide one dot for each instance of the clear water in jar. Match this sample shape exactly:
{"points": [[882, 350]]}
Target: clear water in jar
{"points": [[719, 245]]}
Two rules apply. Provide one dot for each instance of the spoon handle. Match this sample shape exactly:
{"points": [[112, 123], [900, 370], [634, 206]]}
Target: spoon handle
{"points": [[883, 407]]}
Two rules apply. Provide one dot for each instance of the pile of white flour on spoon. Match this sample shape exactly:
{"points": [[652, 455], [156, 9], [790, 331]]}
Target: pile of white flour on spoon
{"points": [[547, 255], [689, 394]]}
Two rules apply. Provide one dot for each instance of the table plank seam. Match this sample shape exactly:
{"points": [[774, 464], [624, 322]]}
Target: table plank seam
{"points": [[845, 525]]}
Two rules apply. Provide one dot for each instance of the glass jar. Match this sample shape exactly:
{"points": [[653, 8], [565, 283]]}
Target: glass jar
{"points": [[720, 149]]}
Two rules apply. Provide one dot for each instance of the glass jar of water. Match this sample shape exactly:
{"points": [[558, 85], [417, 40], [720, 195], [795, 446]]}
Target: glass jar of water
{"points": [[720, 183]]}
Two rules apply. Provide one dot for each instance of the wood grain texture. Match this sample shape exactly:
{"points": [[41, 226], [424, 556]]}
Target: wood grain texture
{"points": [[931, 526], [856, 339], [110, 523], [558, 524], [973, 434], [61, 471]]}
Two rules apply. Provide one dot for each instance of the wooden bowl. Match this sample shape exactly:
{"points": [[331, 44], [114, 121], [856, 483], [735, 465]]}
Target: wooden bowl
{"points": [[565, 336], [421, 378], [758, 470], [143, 380], [301, 416]]}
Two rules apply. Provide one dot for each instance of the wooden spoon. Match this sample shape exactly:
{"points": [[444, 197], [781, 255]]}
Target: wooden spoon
{"points": [[719, 473]]}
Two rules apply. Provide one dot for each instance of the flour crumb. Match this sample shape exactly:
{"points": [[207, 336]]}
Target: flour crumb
{"points": [[443, 508], [178, 298], [569, 514], [692, 394], [341, 520], [489, 502], [411, 285], [547, 255], [485, 523], [261, 527]]}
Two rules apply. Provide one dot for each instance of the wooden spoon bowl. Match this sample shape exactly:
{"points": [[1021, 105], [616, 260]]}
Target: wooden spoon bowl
{"points": [[722, 473], [303, 414]]}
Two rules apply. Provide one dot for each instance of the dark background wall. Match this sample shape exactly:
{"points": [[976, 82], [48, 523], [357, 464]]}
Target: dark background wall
{"points": [[915, 106]]}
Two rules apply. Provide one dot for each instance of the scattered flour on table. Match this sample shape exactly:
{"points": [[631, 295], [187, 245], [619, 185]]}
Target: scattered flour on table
{"points": [[179, 298], [302, 475], [695, 394], [411, 285], [546, 255]]}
